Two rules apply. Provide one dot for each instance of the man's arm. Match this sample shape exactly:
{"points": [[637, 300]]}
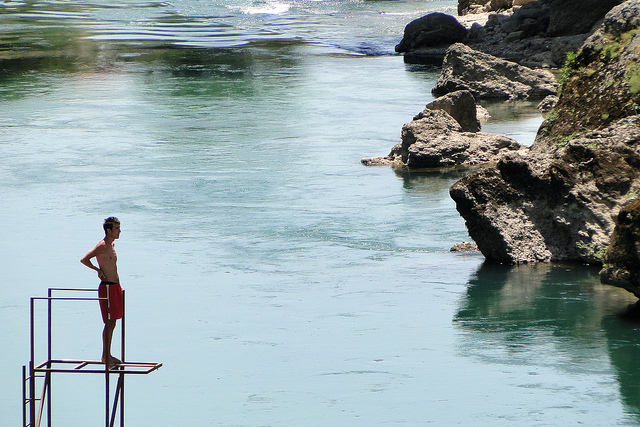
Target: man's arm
{"points": [[86, 259]]}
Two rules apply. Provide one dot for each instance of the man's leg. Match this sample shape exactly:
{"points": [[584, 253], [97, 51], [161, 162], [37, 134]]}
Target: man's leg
{"points": [[107, 334]]}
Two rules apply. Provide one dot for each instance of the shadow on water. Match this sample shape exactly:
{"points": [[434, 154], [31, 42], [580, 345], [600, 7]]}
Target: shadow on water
{"points": [[554, 315], [440, 178]]}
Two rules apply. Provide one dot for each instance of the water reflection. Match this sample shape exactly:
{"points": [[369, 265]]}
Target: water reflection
{"points": [[553, 316], [623, 339]]}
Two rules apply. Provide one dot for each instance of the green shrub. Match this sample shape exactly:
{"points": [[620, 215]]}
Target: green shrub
{"points": [[570, 66]]}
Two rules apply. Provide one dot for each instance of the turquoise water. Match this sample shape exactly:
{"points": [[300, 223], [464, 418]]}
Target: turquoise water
{"points": [[278, 280]]}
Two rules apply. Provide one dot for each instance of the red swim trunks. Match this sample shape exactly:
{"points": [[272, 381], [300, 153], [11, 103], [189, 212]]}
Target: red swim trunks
{"points": [[113, 308]]}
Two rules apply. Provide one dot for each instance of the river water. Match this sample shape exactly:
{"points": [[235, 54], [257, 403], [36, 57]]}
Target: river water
{"points": [[279, 281]]}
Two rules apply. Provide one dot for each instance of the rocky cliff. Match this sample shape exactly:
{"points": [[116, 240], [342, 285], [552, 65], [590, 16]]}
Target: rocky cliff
{"points": [[559, 201], [601, 83]]}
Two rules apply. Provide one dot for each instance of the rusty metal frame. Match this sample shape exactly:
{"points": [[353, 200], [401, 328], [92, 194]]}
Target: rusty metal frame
{"points": [[51, 366]]}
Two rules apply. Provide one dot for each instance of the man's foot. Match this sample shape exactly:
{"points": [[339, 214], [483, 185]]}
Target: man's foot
{"points": [[112, 361]]}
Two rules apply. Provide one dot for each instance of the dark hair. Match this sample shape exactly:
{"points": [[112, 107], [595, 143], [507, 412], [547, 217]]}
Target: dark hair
{"points": [[109, 222]]}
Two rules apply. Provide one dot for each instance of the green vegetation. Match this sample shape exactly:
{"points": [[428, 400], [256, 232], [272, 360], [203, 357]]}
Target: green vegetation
{"points": [[611, 50], [562, 141], [570, 65], [626, 37], [590, 250], [633, 77]]}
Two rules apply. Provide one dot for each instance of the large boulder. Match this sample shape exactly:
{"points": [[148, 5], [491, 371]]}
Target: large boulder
{"points": [[569, 17], [622, 261], [426, 39], [433, 30], [488, 77], [553, 207]]}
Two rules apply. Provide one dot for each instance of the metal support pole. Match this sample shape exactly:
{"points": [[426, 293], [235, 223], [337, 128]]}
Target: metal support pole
{"points": [[118, 395], [32, 377], [106, 369], [106, 392], [49, 358], [121, 380], [44, 394], [24, 396]]}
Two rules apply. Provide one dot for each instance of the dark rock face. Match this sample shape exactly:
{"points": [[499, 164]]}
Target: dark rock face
{"points": [[433, 30], [553, 207], [568, 17], [488, 77], [547, 104], [540, 32], [622, 261]]}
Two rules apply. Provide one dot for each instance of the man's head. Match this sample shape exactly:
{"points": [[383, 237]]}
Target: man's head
{"points": [[112, 225]]}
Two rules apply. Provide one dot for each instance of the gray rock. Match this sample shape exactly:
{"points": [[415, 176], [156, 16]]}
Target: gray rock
{"points": [[496, 5], [541, 32], [570, 17], [488, 77], [461, 105], [466, 6], [434, 139]]}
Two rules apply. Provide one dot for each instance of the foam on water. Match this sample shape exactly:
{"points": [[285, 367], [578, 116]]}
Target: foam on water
{"points": [[267, 8]]}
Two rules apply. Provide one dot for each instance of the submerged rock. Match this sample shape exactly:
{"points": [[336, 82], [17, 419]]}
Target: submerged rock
{"points": [[488, 77], [464, 247]]}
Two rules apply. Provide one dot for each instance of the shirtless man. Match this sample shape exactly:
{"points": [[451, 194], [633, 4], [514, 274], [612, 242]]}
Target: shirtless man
{"points": [[112, 304]]}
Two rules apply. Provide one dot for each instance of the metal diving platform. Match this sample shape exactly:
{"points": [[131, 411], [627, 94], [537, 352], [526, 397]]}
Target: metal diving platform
{"points": [[38, 376]]}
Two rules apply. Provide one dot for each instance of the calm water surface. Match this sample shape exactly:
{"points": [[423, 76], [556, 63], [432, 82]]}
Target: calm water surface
{"points": [[279, 281]]}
